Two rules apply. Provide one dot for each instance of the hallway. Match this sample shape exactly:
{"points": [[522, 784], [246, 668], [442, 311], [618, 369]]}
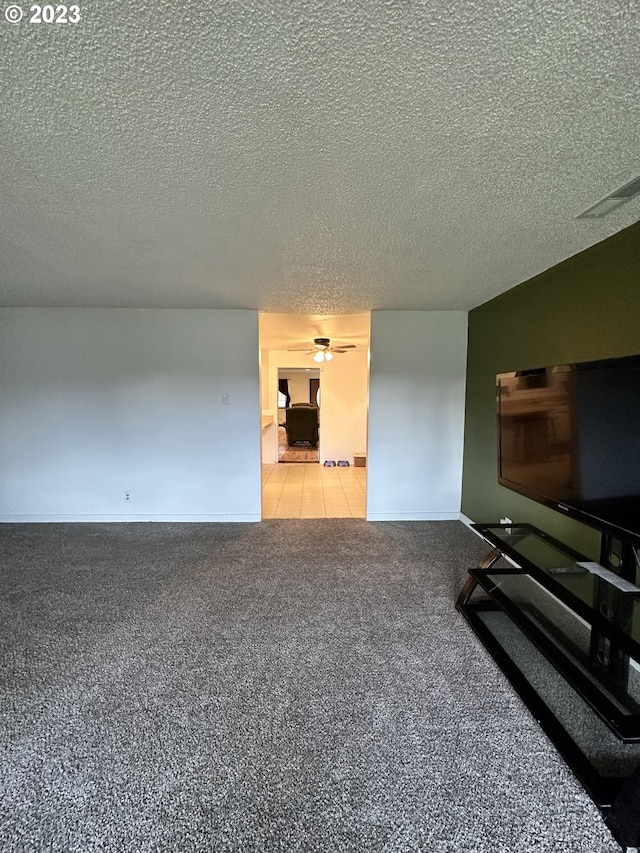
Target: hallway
{"points": [[299, 490]]}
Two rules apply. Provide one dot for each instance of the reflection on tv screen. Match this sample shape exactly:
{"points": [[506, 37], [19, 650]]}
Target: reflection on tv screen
{"points": [[570, 435]]}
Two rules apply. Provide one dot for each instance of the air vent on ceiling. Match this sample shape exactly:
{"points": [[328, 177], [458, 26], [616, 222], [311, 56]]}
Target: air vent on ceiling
{"points": [[613, 200]]}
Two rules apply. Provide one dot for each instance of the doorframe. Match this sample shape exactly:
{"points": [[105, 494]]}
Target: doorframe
{"points": [[314, 387]]}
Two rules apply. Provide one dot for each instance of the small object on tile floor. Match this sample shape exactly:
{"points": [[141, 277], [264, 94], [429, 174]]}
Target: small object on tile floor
{"points": [[329, 463], [342, 463]]}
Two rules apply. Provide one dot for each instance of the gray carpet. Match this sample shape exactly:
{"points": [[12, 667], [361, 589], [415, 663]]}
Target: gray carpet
{"points": [[283, 686]]}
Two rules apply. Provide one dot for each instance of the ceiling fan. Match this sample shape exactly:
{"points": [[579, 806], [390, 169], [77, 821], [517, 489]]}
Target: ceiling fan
{"points": [[323, 349]]}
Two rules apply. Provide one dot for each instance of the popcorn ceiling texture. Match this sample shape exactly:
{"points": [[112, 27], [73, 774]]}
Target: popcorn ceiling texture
{"points": [[311, 157]]}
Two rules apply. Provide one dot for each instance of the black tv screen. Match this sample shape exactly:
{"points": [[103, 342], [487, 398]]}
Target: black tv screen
{"points": [[569, 437]]}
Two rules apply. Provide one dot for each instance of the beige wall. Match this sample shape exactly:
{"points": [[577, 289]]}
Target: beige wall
{"points": [[343, 413], [299, 386]]}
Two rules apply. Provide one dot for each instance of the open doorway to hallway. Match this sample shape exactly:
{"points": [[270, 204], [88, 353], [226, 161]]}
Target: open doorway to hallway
{"points": [[299, 415], [312, 490]]}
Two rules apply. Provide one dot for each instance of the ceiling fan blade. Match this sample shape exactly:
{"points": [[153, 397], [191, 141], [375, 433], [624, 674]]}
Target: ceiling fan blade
{"points": [[344, 346], [305, 349]]}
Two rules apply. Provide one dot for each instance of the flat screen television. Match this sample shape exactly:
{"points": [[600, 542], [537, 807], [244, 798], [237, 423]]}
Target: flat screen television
{"points": [[569, 437]]}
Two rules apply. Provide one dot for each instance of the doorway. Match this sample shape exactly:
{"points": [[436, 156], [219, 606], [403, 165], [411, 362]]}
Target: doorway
{"points": [[298, 415], [335, 485], [314, 392]]}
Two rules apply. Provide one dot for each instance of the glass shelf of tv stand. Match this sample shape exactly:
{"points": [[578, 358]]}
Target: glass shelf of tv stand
{"points": [[557, 567], [585, 626]]}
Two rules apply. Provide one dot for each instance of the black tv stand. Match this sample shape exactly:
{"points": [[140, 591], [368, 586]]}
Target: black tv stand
{"points": [[566, 632]]}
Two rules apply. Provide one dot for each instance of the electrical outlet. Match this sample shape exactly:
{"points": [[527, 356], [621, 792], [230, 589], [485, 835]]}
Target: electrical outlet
{"points": [[127, 497], [506, 520]]}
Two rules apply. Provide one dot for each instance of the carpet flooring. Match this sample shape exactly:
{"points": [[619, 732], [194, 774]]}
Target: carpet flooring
{"points": [[282, 686]]}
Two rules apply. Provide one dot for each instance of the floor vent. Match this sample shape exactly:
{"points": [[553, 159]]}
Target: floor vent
{"points": [[613, 200]]}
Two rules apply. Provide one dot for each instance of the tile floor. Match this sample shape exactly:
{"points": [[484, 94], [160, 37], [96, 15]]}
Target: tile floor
{"points": [[309, 490]]}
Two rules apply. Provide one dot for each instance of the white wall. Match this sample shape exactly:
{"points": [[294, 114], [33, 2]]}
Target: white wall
{"points": [[416, 414], [94, 402]]}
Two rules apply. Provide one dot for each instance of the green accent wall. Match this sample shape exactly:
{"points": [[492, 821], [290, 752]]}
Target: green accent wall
{"points": [[586, 307]]}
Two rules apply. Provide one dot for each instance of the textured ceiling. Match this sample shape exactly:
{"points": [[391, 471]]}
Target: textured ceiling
{"points": [[308, 157], [293, 331]]}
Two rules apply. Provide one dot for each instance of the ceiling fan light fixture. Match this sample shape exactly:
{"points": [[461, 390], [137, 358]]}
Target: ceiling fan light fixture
{"points": [[323, 347]]}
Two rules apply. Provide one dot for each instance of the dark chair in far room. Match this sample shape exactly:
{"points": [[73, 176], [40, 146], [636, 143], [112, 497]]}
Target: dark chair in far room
{"points": [[302, 424]]}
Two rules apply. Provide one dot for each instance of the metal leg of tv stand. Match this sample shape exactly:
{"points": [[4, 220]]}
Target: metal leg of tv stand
{"points": [[485, 563]]}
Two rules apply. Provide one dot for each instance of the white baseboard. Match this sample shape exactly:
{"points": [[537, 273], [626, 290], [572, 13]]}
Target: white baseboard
{"points": [[67, 518], [413, 516]]}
